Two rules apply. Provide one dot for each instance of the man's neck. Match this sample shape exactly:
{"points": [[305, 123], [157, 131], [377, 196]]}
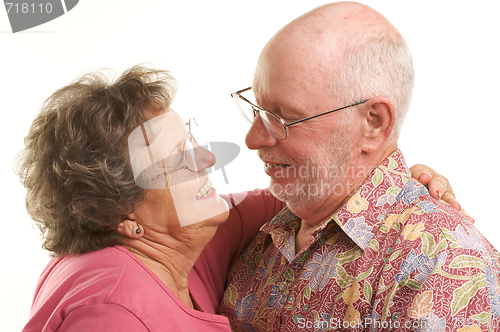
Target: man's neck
{"points": [[317, 212]]}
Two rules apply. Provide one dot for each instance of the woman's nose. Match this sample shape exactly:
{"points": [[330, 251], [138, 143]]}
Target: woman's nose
{"points": [[205, 158]]}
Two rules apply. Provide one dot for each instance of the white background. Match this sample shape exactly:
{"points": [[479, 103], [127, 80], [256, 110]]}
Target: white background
{"points": [[211, 47]]}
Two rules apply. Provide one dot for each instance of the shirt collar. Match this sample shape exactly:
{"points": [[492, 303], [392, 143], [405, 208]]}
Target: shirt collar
{"points": [[360, 216]]}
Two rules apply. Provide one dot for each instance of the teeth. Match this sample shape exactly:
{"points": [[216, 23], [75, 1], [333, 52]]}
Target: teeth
{"points": [[205, 190], [276, 165]]}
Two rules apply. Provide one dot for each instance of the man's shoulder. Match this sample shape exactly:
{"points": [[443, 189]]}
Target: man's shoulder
{"points": [[432, 228], [437, 215]]}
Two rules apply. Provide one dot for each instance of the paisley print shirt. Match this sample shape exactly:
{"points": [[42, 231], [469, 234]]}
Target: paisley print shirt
{"points": [[390, 258]]}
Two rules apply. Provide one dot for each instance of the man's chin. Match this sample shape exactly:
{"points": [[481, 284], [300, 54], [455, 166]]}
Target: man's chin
{"points": [[278, 194], [288, 192], [299, 193]]}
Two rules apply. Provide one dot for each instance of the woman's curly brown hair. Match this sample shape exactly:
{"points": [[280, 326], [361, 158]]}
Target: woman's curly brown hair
{"points": [[75, 163]]}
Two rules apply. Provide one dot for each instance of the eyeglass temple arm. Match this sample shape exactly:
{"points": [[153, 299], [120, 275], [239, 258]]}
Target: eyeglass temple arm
{"points": [[335, 110], [149, 148], [147, 143], [240, 91]]}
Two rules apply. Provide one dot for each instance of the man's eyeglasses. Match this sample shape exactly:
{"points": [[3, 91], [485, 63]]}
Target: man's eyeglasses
{"points": [[274, 123]]}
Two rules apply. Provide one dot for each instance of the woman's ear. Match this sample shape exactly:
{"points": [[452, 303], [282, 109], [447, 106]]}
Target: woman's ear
{"points": [[379, 116], [130, 227]]}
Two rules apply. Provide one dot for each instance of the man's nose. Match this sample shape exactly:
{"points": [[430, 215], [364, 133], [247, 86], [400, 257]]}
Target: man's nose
{"points": [[258, 136]]}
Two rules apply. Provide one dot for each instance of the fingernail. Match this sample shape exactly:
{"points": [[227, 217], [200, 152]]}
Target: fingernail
{"points": [[438, 193], [467, 216], [459, 207]]}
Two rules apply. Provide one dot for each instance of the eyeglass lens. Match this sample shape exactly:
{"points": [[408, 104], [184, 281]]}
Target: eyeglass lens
{"points": [[190, 156], [245, 108], [271, 121], [273, 124]]}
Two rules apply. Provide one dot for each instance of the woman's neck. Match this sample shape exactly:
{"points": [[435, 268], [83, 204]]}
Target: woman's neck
{"points": [[172, 256]]}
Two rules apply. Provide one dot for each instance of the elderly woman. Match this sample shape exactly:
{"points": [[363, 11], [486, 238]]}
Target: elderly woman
{"points": [[119, 191], [114, 223]]}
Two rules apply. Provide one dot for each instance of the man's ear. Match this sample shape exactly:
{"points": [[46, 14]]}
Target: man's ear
{"points": [[379, 116], [130, 227]]}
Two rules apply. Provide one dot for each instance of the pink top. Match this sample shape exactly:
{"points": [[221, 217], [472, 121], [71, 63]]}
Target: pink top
{"points": [[111, 290]]}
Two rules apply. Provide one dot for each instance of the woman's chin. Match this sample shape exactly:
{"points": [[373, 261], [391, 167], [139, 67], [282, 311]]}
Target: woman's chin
{"points": [[211, 210], [218, 211]]}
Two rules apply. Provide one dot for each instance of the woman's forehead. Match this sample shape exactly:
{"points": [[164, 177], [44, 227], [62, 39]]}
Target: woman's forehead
{"points": [[156, 139], [166, 125]]}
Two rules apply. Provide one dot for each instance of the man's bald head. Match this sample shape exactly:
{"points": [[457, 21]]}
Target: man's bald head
{"points": [[347, 48]]}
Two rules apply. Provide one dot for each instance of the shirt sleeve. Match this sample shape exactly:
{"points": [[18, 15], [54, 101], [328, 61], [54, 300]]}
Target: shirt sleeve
{"points": [[101, 318], [256, 207], [438, 306], [451, 290], [246, 218]]}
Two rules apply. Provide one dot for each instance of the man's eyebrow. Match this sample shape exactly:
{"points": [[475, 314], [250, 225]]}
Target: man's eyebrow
{"points": [[291, 113]]}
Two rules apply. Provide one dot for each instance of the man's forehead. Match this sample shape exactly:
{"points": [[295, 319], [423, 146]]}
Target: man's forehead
{"points": [[293, 65], [298, 93]]}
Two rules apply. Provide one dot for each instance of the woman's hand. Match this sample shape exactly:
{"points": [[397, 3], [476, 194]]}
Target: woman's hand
{"points": [[439, 187]]}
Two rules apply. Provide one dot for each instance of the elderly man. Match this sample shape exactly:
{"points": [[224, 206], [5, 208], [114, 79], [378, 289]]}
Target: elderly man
{"points": [[360, 244]]}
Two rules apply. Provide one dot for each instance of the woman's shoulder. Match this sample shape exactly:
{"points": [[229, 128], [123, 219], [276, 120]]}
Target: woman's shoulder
{"points": [[104, 263], [92, 286], [76, 276], [71, 283], [110, 275]]}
